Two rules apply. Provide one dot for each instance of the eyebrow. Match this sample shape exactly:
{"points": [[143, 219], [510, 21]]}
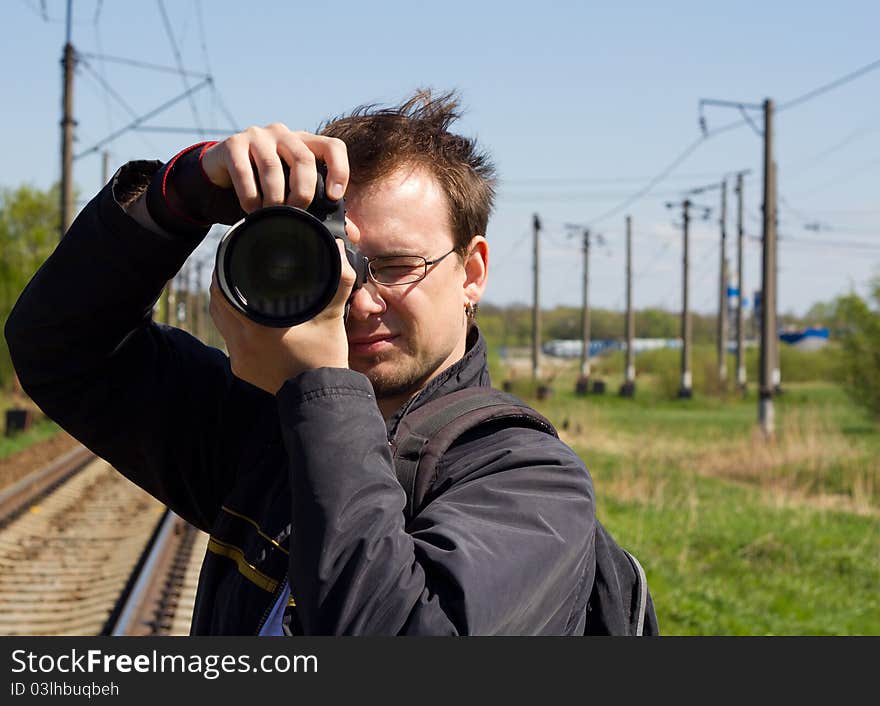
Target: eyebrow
{"points": [[396, 254]]}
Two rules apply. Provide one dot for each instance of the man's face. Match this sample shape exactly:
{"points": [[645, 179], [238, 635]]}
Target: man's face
{"points": [[402, 336]]}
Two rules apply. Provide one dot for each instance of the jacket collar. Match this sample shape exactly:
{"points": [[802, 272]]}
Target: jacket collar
{"points": [[472, 370]]}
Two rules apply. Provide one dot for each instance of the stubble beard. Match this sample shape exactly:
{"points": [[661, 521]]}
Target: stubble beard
{"points": [[397, 373]]}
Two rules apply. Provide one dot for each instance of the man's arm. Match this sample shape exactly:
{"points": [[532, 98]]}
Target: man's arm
{"points": [[164, 409], [506, 548], [152, 400]]}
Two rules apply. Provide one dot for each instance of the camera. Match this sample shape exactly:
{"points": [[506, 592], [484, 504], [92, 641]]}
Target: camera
{"points": [[280, 265]]}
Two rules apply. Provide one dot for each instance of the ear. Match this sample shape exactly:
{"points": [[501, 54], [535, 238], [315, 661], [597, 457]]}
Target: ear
{"points": [[476, 269]]}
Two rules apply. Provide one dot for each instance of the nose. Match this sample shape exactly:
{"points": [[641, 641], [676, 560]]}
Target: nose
{"points": [[366, 301]]}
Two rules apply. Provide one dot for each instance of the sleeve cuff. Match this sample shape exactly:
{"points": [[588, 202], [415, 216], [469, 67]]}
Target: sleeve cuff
{"points": [[325, 383], [181, 198]]}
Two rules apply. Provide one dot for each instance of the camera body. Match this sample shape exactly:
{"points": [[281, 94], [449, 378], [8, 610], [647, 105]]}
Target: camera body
{"points": [[280, 265]]}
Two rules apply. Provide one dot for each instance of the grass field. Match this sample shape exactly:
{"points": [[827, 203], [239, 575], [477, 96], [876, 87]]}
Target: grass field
{"points": [[738, 535], [40, 428]]}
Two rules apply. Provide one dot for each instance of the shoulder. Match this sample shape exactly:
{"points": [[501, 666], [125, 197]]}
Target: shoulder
{"points": [[522, 455]]}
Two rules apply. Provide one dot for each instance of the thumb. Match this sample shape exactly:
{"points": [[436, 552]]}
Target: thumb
{"points": [[347, 279]]}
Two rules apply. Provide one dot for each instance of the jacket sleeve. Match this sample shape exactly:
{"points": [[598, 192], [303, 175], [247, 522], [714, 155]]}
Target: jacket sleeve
{"points": [[147, 398], [505, 548]]}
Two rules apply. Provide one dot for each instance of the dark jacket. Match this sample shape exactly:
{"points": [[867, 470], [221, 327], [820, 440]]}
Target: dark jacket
{"points": [[297, 487]]}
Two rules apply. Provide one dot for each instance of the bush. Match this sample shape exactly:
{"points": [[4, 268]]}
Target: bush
{"points": [[860, 365]]}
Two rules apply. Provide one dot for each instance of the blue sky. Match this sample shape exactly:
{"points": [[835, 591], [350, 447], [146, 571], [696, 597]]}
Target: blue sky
{"points": [[580, 103]]}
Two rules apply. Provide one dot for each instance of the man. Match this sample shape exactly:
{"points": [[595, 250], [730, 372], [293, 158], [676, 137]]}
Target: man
{"points": [[281, 450]]}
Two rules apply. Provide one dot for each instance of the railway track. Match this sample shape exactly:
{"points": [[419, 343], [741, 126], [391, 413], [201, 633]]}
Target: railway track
{"points": [[83, 551]]}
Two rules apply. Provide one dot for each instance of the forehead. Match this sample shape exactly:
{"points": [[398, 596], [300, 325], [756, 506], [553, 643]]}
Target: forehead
{"points": [[405, 212]]}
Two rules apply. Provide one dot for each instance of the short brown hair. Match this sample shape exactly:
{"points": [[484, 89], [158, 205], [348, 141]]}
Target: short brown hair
{"points": [[380, 140]]}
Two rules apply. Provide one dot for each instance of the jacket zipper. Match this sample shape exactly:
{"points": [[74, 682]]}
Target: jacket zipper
{"points": [[272, 603]]}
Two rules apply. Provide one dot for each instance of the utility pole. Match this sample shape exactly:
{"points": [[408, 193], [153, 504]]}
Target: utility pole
{"points": [[740, 322], [585, 312], [536, 306], [777, 369], [685, 390], [68, 63], [768, 288], [722, 291], [769, 344], [628, 389], [105, 167]]}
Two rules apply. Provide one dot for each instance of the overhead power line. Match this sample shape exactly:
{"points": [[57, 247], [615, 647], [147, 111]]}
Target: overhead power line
{"points": [[169, 31], [38, 11], [844, 244], [809, 95], [138, 121], [142, 64], [537, 181], [180, 130], [708, 134]]}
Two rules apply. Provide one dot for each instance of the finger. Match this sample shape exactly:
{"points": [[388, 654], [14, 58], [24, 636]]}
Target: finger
{"points": [[267, 161], [333, 152], [237, 160], [346, 283], [303, 177], [352, 231], [214, 165]]}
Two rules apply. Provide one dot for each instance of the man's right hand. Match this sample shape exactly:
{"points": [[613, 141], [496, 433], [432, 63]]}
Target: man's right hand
{"points": [[258, 153]]}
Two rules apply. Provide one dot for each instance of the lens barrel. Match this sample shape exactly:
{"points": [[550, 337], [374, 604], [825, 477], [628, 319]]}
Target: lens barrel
{"points": [[280, 266]]}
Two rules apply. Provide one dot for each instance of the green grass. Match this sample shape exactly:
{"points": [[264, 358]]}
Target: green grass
{"points": [[40, 430], [738, 536], [721, 561]]}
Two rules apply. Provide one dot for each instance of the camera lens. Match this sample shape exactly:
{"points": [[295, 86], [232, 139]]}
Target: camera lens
{"points": [[280, 266]]}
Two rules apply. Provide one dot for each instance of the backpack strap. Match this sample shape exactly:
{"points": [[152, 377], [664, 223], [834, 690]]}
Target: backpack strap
{"points": [[426, 433], [642, 605]]}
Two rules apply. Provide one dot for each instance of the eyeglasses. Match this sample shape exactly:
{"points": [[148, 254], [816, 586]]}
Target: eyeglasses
{"points": [[395, 270]]}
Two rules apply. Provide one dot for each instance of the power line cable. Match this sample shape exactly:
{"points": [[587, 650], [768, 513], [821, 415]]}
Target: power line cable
{"points": [[707, 134], [108, 91], [142, 64], [844, 244], [809, 95], [690, 149], [570, 195], [850, 137], [596, 180], [181, 130], [179, 60], [842, 178], [140, 120], [201, 22], [103, 66], [509, 253], [233, 123], [38, 11]]}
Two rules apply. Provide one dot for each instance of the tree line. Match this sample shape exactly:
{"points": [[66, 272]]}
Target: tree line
{"points": [[512, 325]]}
